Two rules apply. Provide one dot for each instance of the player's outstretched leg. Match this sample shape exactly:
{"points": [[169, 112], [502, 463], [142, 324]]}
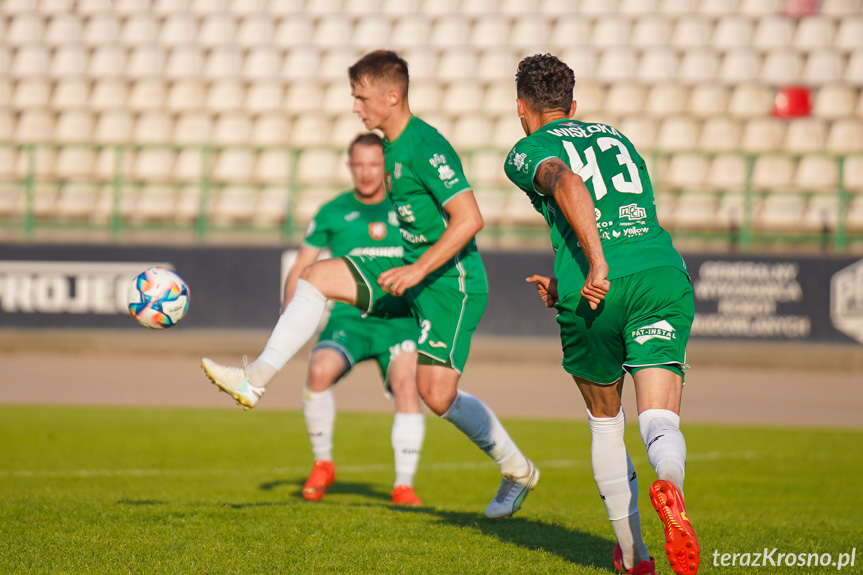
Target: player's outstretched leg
{"points": [[518, 473], [666, 451], [234, 382], [407, 436]]}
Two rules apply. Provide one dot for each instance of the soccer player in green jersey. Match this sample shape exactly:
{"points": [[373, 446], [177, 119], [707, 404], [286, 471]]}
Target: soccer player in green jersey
{"points": [[360, 221], [440, 281], [592, 187]]}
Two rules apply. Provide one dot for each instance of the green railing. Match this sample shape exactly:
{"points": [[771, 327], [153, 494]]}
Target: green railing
{"points": [[27, 169]]}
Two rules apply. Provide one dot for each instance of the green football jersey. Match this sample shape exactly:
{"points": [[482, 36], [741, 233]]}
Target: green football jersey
{"points": [[423, 174], [349, 227], [616, 176]]}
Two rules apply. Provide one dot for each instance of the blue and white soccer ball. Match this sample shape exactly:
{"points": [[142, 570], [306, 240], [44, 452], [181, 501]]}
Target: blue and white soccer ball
{"points": [[158, 298]]}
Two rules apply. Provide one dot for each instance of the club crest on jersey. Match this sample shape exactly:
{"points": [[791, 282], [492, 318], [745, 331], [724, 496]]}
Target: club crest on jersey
{"points": [[377, 230], [632, 212], [659, 330], [518, 160]]}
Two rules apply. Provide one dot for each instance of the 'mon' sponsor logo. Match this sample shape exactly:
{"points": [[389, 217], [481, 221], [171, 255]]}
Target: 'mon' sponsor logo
{"points": [[659, 330]]}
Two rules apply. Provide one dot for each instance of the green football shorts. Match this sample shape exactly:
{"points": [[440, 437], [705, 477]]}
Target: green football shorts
{"points": [[446, 315], [644, 321], [359, 339]]}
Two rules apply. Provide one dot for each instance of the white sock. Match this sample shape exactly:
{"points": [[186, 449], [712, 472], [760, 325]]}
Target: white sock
{"points": [[666, 447], [319, 409], [296, 326], [474, 419], [409, 430], [617, 484]]}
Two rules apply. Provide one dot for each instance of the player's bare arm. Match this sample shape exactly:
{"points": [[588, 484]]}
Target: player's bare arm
{"points": [[306, 257], [546, 288], [465, 221], [555, 179]]}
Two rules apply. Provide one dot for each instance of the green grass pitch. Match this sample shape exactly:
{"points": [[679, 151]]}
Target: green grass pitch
{"points": [[110, 490]]}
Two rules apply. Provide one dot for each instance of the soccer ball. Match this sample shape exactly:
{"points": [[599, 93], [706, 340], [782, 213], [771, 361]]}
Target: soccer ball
{"points": [[158, 298]]}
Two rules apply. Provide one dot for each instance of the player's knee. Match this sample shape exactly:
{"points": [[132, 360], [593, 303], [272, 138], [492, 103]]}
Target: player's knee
{"points": [[321, 376], [436, 398]]}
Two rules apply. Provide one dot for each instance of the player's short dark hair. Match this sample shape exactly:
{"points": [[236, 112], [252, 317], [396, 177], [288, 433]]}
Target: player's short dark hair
{"points": [[545, 83], [381, 67], [365, 139]]}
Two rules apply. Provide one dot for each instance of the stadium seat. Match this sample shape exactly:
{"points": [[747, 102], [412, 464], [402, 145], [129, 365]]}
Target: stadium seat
{"points": [[146, 61], [223, 62], [335, 63], [272, 166], [168, 7], [147, 94], [686, 171], [640, 130], [5, 92], [186, 95], [750, 100], [773, 172], [610, 31], [782, 211], [285, 7], [71, 93], [471, 131], [491, 202], [805, 135], [272, 206], [834, 101], [18, 6], [694, 211], [698, 65], [657, 65], [34, 126], [301, 64], [840, 7], [304, 96], [732, 32], [817, 173], [583, 62], [184, 62], [154, 164], [720, 133], [450, 30], [727, 172], [815, 32], [178, 29], [311, 129], [360, 8], [852, 174], [707, 100], [77, 200], [154, 203], [846, 136], [127, 8], [822, 212], [323, 7], [763, 135], [206, 7], [25, 28], [493, 64], [247, 7], [457, 64], [410, 30], [293, 32], [637, 7], [590, 97], [109, 95], [490, 31], [718, 8], [499, 97], [264, 96], [516, 8], [32, 93], [232, 128], [316, 166], [854, 68], [740, 65], [462, 97], [142, 28], [270, 129], [665, 99], [188, 206], [255, 30], [64, 28], [528, 32], [225, 96], [193, 128], [485, 167], [332, 30], [850, 34], [823, 66], [370, 31], [781, 67], [31, 60], [677, 133], [152, 128], [345, 127], [792, 102], [107, 62], [190, 166], [624, 98], [5, 61], [616, 64], [114, 126], [567, 32], [102, 29], [691, 31], [507, 130], [774, 32], [759, 8], [651, 31], [234, 165], [595, 9], [234, 204], [423, 63]]}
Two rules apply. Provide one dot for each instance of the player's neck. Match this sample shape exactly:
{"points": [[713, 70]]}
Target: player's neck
{"points": [[397, 122], [374, 199]]}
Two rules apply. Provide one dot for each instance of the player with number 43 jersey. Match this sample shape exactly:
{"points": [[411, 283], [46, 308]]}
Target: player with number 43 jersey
{"points": [[624, 301]]}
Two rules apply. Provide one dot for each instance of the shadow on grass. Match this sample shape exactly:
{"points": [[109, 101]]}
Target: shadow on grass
{"points": [[339, 487]]}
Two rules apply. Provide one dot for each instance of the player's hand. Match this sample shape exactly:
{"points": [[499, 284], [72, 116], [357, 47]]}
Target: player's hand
{"points": [[546, 288], [396, 281], [596, 285]]}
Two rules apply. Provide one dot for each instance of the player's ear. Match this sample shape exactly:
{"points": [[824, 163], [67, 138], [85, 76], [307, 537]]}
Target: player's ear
{"points": [[519, 103], [572, 109], [394, 96]]}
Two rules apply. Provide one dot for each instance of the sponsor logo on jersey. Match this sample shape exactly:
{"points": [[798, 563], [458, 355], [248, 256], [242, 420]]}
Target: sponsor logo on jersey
{"points": [[377, 230], [351, 216], [386, 252], [659, 330], [632, 212], [397, 171], [616, 234], [518, 160], [406, 213], [413, 238], [635, 232], [573, 130]]}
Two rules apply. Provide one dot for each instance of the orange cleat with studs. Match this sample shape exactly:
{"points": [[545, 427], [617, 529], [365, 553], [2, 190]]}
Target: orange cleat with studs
{"points": [[681, 544]]}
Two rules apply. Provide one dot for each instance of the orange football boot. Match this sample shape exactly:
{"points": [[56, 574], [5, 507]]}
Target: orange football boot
{"points": [[322, 476], [404, 495], [681, 544], [643, 568]]}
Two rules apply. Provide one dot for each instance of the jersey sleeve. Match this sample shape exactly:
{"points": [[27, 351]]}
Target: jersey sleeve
{"points": [[318, 232], [520, 167], [439, 170]]}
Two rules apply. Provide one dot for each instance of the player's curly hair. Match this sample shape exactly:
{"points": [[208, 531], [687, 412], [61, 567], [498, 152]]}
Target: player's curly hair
{"points": [[365, 139], [381, 66], [545, 83]]}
